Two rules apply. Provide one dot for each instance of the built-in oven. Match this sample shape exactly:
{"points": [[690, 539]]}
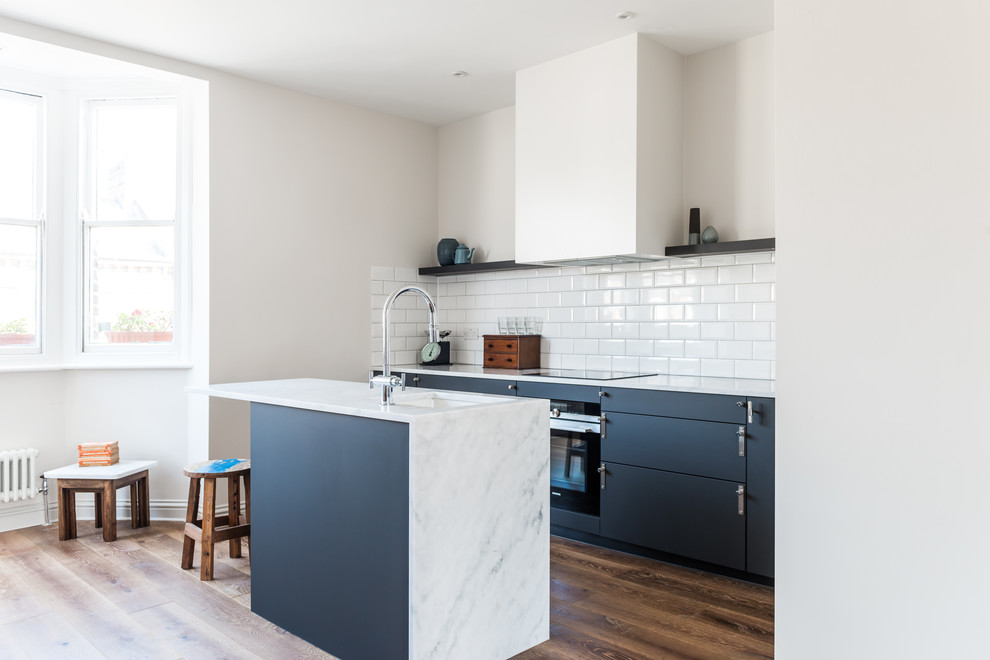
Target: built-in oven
{"points": [[575, 452]]}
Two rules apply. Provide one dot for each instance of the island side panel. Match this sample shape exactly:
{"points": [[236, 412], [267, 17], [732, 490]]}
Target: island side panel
{"points": [[330, 529], [481, 532]]}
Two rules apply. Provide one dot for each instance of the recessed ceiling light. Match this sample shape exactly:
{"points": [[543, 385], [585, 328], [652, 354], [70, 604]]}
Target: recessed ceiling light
{"points": [[459, 74], [623, 15]]}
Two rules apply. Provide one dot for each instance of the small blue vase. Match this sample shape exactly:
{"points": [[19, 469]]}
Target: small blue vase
{"points": [[445, 251]]}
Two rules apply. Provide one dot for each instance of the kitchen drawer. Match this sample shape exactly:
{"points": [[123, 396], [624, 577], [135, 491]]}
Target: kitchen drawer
{"points": [[686, 515], [584, 393], [687, 405], [512, 351], [709, 449], [463, 384]]}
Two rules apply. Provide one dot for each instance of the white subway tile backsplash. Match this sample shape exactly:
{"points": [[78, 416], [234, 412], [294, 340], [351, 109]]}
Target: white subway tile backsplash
{"points": [[599, 330], [700, 312], [625, 297], [735, 350], [572, 298], [612, 346], [687, 330], [700, 349], [754, 258], [654, 330], [717, 368], [625, 330], [735, 312], [669, 278], [712, 316], [735, 274], [685, 294], [701, 276], [718, 260], [515, 286], [612, 280], [753, 293], [685, 366], [537, 284], [639, 313], [641, 347], [654, 296], [640, 279], [668, 313], [598, 298], [614, 313], [718, 294], [753, 369]]}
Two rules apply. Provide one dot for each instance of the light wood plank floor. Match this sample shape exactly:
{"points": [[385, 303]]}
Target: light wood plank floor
{"points": [[129, 599]]}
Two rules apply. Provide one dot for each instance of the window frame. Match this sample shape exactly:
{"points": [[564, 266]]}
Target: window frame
{"points": [[86, 203], [22, 87], [62, 283]]}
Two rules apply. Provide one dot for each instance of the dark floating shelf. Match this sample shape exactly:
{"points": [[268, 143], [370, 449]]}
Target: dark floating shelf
{"points": [[729, 247], [462, 269]]}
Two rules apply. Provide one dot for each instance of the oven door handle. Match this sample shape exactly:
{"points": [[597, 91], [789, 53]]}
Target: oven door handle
{"points": [[578, 427]]}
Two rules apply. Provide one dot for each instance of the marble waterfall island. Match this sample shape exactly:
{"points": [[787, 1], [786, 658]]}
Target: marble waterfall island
{"points": [[418, 530]]}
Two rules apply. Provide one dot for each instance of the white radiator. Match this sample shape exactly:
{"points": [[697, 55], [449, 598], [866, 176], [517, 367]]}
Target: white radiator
{"points": [[17, 468]]}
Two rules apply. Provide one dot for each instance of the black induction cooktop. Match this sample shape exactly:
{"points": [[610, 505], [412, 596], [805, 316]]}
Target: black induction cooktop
{"points": [[584, 374]]}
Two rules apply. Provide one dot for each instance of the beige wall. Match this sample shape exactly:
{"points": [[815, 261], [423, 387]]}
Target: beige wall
{"points": [[477, 184], [728, 138], [305, 194], [883, 235]]}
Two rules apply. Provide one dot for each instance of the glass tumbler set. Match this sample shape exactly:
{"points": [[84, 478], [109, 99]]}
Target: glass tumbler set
{"points": [[519, 325]]}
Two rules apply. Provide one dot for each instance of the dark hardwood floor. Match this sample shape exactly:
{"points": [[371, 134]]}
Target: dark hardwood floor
{"points": [[129, 599]]}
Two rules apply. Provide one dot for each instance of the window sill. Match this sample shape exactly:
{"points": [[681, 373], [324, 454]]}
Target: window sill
{"points": [[106, 366]]}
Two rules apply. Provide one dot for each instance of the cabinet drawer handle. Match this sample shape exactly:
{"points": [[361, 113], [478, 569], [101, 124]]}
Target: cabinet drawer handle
{"points": [[741, 433], [601, 472], [748, 405], [415, 379], [512, 387], [741, 495]]}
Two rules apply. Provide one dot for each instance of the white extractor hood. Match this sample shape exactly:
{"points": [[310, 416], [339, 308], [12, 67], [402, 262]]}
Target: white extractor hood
{"points": [[599, 155]]}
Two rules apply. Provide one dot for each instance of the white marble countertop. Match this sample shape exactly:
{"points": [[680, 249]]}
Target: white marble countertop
{"points": [[349, 398], [672, 383]]}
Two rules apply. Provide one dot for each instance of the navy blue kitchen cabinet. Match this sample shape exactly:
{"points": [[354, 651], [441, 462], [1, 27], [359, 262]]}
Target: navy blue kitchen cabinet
{"points": [[760, 488], [677, 513], [684, 473]]}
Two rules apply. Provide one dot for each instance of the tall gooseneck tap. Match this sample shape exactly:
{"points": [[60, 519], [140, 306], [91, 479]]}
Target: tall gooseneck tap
{"points": [[387, 380]]}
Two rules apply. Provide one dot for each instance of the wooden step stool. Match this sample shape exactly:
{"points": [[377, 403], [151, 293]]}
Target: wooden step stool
{"points": [[103, 481], [212, 529]]}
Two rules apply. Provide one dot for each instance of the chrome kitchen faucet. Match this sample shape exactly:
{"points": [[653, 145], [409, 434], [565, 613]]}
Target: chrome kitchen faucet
{"points": [[387, 380]]}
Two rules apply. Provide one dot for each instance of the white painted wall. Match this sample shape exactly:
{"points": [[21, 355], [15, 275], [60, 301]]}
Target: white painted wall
{"points": [[305, 195], [728, 155], [477, 186], [883, 215], [728, 138]]}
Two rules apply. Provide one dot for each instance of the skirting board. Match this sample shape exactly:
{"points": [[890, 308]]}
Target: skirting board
{"points": [[28, 513]]}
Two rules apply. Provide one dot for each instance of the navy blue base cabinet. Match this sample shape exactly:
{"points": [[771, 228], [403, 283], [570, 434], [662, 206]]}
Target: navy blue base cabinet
{"points": [[331, 572], [685, 473]]}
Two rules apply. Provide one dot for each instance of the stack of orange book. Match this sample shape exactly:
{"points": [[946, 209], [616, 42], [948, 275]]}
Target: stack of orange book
{"points": [[98, 453]]}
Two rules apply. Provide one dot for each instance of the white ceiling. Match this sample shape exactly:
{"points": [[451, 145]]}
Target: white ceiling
{"points": [[395, 56]]}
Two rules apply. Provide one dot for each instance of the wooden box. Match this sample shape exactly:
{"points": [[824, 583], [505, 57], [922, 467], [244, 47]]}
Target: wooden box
{"points": [[512, 351]]}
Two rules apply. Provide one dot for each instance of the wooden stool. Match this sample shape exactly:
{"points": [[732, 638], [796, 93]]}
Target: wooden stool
{"points": [[212, 529], [103, 481]]}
